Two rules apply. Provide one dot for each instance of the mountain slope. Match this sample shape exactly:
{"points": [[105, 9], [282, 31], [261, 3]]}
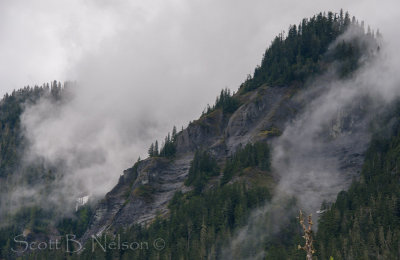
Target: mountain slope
{"points": [[229, 150], [262, 115], [364, 222], [214, 132]]}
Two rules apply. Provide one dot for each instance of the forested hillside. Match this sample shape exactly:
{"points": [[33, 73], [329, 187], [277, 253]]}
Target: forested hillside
{"points": [[305, 51], [15, 171], [364, 222], [200, 186]]}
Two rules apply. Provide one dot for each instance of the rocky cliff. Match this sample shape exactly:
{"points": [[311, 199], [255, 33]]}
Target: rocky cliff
{"points": [[143, 191]]}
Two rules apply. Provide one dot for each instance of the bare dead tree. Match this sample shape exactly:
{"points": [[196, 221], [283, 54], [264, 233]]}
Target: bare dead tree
{"points": [[308, 247]]}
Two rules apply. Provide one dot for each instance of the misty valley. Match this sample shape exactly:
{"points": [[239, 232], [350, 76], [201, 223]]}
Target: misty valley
{"points": [[299, 162]]}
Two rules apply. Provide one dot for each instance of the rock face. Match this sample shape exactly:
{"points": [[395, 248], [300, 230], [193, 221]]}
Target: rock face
{"points": [[125, 205], [261, 110], [144, 190], [263, 115]]}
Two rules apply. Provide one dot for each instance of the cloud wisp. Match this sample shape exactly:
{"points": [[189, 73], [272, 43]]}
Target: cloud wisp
{"points": [[320, 151]]}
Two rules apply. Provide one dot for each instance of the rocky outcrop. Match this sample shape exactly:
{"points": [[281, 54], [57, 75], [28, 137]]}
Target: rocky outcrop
{"points": [[142, 192], [266, 109], [145, 190], [202, 133]]}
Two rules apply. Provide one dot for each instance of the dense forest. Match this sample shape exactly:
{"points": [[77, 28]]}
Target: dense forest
{"points": [[363, 223], [199, 222], [305, 51], [13, 172]]}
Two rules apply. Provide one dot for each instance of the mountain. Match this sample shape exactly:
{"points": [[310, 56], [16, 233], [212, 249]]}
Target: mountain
{"points": [[363, 223], [294, 136]]}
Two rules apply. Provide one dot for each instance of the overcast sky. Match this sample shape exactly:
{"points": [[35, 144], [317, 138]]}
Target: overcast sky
{"points": [[142, 66], [162, 59], [213, 43]]}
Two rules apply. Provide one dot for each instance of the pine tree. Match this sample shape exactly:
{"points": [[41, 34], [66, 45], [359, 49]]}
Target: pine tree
{"points": [[156, 153], [203, 239], [151, 150], [174, 134]]}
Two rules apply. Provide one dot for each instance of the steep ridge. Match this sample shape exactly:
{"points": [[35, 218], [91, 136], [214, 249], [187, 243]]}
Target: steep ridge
{"points": [[263, 116], [122, 206], [363, 222], [269, 104], [274, 108], [215, 132]]}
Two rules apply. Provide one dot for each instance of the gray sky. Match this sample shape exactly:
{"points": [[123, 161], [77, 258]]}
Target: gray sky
{"points": [[212, 44], [153, 48], [143, 66]]}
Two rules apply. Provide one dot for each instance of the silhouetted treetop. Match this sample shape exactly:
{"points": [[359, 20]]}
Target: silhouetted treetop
{"points": [[301, 53]]}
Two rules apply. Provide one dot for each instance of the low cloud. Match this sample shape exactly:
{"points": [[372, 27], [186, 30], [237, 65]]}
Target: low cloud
{"points": [[141, 68], [321, 151]]}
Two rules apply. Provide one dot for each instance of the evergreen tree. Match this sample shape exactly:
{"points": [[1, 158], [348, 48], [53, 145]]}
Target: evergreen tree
{"points": [[201, 169], [151, 150], [174, 133], [156, 153], [302, 53]]}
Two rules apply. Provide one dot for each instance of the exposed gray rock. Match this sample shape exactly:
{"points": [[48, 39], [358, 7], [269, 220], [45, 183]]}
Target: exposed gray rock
{"points": [[263, 115], [266, 109], [219, 133], [123, 207]]}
